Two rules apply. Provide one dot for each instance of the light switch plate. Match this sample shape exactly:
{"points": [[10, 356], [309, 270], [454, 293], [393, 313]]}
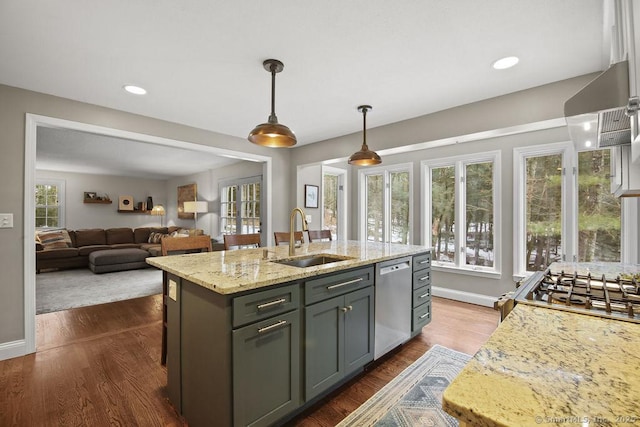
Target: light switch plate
{"points": [[308, 219], [6, 220]]}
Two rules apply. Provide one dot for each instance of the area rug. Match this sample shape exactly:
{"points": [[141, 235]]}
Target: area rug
{"points": [[413, 398], [62, 290]]}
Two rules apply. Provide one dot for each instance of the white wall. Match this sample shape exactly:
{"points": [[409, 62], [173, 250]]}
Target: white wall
{"points": [[309, 175], [84, 215]]}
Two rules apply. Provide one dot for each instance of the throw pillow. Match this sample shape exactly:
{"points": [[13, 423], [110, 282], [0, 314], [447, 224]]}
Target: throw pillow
{"points": [[156, 237], [54, 239]]}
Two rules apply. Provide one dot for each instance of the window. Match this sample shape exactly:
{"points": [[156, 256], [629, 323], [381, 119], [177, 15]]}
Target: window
{"points": [[387, 204], [462, 211], [564, 208], [240, 206], [49, 203]]}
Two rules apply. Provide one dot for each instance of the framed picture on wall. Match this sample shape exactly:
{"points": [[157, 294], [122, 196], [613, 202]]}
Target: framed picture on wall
{"points": [[186, 193], [310, 196]]}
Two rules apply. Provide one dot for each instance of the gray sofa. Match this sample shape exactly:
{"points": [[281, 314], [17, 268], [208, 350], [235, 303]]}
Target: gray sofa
{"points": [[61, 249]]}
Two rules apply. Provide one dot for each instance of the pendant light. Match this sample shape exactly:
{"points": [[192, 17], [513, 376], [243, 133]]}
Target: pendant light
{"points": [[272, 134], [364, 157]]}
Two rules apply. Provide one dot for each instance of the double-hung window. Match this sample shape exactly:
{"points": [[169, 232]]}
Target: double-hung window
{"points": [[240, 206], [563, 207], [461, 211], [49, 196], [386, 204]]}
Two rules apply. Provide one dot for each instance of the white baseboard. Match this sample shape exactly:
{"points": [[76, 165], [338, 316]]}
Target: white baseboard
{"points": [[11, 349], [463, 296]]}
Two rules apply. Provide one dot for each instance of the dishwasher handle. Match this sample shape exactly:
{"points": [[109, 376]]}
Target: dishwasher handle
{"points": [[395, 267]]}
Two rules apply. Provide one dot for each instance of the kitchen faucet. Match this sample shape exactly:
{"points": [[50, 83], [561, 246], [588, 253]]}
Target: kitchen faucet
{"points": [[292, 229]]}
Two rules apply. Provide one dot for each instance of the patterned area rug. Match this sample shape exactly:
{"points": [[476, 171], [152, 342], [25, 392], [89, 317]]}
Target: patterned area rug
{"points": [[65, 289], [413, 398]]}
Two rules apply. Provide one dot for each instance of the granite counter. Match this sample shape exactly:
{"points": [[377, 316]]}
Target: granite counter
{"points": [[550, 367], [229, 272]]}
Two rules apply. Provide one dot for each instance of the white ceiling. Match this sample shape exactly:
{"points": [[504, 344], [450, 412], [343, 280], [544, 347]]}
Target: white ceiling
{"points": [[201, 60]]}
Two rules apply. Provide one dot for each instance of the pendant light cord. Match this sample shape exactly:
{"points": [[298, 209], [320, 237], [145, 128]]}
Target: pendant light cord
{"points": [[272, 118], [364, 130]]}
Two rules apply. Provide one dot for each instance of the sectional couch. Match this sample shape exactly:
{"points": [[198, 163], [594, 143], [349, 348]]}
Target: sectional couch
{"points": [[61, 249]]}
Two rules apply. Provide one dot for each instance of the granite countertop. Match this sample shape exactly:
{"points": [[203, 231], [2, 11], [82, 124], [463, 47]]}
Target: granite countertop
{"points": [[550, 367], [228, 272]]}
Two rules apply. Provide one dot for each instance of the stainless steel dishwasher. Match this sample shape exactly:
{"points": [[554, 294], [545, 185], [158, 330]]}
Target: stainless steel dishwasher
{"points": [[393, 304]]}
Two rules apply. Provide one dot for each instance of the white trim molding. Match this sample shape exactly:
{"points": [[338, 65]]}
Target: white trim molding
{"points": [[32, 121], [11, 349], [471, 298]]}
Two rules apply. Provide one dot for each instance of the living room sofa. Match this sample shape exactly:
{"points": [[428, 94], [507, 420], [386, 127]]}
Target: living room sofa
{"points": [[62, 248]]}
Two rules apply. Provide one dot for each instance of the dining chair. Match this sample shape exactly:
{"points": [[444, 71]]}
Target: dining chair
{"points": [[240, 241], [319, 235], [283, 237], [175, 245]]}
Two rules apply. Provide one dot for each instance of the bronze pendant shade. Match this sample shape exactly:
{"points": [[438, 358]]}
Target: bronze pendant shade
{"points": [[364, 157], [272, 133]]}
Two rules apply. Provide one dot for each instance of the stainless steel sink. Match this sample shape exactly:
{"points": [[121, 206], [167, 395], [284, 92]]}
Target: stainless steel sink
{"points": [[311, 260]]}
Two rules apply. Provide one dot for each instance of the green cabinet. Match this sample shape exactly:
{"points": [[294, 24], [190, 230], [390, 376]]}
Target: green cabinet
{"points": [[421, 301], [339, 331], [266, 355], [266, 370]]}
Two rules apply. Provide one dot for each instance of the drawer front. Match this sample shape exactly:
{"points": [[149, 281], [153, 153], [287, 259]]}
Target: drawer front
{"points": [[421, 316], [421, 295], [422, 261], [421, 278], [261, 305], [337, 284]]}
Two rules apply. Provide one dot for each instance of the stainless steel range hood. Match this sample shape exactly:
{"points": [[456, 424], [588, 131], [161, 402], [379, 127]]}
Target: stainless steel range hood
{"points": [[596, 114]]}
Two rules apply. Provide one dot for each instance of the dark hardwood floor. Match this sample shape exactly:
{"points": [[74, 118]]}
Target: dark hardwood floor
{"points": [[100, 366]]}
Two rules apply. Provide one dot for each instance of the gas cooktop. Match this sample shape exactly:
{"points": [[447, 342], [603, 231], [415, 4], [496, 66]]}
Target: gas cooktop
{"points": [[610, 297]]}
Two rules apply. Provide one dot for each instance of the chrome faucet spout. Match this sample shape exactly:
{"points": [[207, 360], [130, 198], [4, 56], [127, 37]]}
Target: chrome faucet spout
{"points": [[292, 228]]}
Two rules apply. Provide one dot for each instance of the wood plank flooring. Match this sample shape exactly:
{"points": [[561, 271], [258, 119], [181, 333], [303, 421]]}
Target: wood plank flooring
{"points": [[100, 366]]}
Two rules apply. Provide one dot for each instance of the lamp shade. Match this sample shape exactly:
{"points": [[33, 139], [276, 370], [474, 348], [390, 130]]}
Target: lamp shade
{"points": [[158, 210], [272, 135], [196, 207]]}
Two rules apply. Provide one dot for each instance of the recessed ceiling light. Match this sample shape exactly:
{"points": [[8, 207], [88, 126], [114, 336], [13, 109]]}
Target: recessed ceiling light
{"points": [[136, 90], [587, 143], [507, 62]]}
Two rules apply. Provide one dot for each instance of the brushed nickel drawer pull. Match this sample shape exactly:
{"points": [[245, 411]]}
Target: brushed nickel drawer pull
{"points": [[344, 309], [348, 282], [423, 262], [424, 295], [423, 316], [272, 303], [422, 279], [270, 327]]}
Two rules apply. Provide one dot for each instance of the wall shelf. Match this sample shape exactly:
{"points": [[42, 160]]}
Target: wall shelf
{"points": [[104, 202], [135, 212]]}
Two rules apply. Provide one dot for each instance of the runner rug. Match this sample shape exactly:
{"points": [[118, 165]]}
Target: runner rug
{"points": [[413, 398]]}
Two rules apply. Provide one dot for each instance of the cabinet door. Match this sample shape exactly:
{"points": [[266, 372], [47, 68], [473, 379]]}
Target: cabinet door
{"points": [[324, 344], [266, 370], [358, 329]]}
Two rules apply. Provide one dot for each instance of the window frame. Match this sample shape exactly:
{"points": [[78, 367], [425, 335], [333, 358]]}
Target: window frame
{"points": [[460, 163], [238, 202], [61, 185], [570, 232], [385, 171]]}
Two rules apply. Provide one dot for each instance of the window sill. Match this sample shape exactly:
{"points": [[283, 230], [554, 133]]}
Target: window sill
{"points": [[467, 271]]}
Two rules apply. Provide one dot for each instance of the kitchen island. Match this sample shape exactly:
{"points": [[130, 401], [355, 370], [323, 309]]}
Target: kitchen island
{"points": [[253, 341], [551, 367]]}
